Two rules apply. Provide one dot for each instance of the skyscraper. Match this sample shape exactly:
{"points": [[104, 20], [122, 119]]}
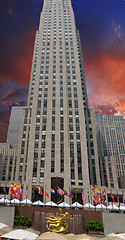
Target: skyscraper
{"points": [[56, 143], [14, 126], [111, 141], [57, 125]]}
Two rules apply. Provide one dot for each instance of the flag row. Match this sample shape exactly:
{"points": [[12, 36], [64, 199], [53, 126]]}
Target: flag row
{"points": [[97, 195]]}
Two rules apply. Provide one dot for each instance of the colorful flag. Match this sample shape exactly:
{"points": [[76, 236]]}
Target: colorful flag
{"points": [[52, 191], [103, 196], [70, 194], [21, 189], [46, 193], [16, 191], [4, 190], [60, 191], [84, 198], [65, 192], [112, 197], [88, 198], [33, 193], [15, 188], [98, 196], [40, 191]]}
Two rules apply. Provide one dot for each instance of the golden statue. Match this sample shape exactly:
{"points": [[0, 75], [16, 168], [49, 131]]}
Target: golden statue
{"points": [[58, 224]]}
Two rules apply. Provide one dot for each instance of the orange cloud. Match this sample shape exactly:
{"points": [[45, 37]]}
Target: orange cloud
{"points": [[106, 80]]}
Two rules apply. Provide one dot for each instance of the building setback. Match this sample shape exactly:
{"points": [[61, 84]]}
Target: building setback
{"points": [[14, 126]]}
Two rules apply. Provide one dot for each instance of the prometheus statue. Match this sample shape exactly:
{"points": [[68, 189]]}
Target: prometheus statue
{"points": [[58, 224]]}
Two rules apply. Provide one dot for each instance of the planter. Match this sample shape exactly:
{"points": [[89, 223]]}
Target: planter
{"points": [[95, 227], [96, 232], [21, 227]]}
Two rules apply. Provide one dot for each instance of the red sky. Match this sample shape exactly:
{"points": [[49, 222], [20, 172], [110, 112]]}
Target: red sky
{"points": [[105, 74]]}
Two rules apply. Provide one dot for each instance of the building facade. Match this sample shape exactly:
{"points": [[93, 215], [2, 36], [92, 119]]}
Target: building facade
{"points": [[8, 161], [53, 143], [111, 141], [57, 140]]}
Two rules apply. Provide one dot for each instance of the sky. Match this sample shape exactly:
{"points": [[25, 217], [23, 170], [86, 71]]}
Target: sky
{"points": [[102, 31]]}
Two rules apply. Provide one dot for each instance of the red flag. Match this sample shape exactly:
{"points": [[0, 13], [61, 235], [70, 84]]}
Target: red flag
{"points": [[46, 193], [112, 197], [84, 198], [11, 187], [40, 191]]}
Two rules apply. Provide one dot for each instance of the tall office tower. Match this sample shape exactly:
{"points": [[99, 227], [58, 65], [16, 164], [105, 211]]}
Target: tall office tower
{"points": [[111, 141], [56, 146], [14, 126]]}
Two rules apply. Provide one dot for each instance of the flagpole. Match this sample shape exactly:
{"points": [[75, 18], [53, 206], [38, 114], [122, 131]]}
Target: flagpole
{"points": [[106, 199], [83, 201], [4, 198], [91, 194], [112, 200], [75, 195], [94, 198], [70, 201], [117, 197], [26, 195], [38, 192], [123, 198], [51, 197], [56, 195], [45, 196], [100, 198], [88, 198], [118, 200]]}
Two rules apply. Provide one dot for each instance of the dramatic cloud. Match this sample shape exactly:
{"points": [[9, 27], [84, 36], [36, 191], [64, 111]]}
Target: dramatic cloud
{"points": [[12, 94], [106, 80], [105, 108]]}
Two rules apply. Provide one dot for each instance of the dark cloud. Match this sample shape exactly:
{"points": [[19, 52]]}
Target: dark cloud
{"points": [[17, 93], [12, 94], [6, 5]]}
